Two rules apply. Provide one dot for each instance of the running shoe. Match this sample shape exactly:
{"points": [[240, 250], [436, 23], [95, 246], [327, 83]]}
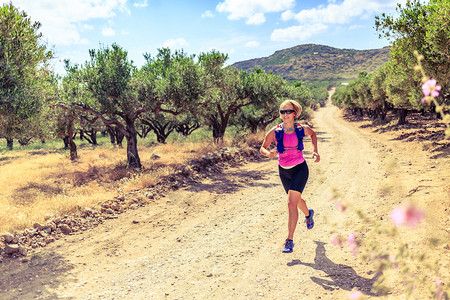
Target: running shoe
{"points": [[288, 245], [310, 221]]}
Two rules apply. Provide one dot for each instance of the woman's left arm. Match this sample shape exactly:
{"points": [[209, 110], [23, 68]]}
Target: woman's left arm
{"points": [[311, 133]]}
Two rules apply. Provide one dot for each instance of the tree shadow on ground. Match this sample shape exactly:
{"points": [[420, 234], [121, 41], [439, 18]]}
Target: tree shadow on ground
{"points": [[234, 180], [34, 278], [341, 276]]}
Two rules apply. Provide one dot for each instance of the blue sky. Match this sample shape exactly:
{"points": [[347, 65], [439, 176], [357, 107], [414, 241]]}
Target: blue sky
{"points": [[244, 29]]}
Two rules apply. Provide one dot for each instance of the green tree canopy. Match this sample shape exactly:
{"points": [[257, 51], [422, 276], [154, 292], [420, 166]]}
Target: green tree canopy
{"points": [[228, 90], [107, 77], [25, 78], [423, 28]]}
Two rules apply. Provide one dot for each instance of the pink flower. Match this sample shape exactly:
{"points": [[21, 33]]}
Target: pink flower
{"points": [[440, 294], [353, 243], [430, 88], [341, 206], [355, 295], [393, 261], [407, 215], [336, 240]]}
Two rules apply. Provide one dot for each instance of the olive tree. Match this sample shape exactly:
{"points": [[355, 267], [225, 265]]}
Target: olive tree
{"points": [[107, 77], [228, 90], [171, 85], [26, 81], [421, 27]]}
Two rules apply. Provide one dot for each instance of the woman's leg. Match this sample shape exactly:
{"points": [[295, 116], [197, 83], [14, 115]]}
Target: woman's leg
{"points": [[295, 202], [302, 206], [293, 199]]}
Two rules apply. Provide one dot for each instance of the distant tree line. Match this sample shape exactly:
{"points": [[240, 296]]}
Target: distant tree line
{"points": [[396, 85], [172, 91]]}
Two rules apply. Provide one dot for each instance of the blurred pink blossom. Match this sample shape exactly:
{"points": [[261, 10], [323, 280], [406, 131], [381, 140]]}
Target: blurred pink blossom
{"points": [[393, 261], [353, 243], [407, 215], [430, 88], [355, 295], [440, 294], [336, 240], [341, 206]]}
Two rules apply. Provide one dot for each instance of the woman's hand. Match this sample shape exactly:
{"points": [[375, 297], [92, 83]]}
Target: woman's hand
{"points": [[316, 156], [273, 153]]}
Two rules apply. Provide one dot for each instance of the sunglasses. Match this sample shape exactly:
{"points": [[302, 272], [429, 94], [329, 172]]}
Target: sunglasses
{"points": [[287, 111]]}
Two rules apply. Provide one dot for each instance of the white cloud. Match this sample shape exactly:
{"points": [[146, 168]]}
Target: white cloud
{"points": [[287, 15], [297, 33], [63, 20], [88, 27], [108, 31], [316, 20], [207, 14], [175, 43], [256, 19], [252, 44], [344, 12], [143, 3], [355, 27], [252, 10]]}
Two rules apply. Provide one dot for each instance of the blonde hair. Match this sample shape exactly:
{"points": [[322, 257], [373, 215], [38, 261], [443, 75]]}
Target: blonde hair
{"points": [[296, 106]]}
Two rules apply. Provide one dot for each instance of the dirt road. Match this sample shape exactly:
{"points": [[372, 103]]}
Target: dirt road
{"points": [[222, 239]]}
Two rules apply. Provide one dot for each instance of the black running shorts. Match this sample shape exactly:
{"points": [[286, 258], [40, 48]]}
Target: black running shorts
{"points": [[294, 178]]}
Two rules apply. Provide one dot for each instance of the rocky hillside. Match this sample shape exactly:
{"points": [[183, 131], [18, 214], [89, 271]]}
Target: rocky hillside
{"points": [[312, 63]]}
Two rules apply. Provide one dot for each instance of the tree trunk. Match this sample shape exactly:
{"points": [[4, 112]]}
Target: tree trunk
{"points": [[119, 137], [9, 143], [402, 112], [252, 125], [187, 128], [361, 112], [24, 141], [375, 113], [94, 137], [66, 142], [218, 135], [90, 136], [72, 145], [133, 160], [112, 136], [383, 113], [116, 136]]}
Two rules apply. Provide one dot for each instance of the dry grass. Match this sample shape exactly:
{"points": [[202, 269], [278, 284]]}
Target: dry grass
{"points": [[34, 183]]}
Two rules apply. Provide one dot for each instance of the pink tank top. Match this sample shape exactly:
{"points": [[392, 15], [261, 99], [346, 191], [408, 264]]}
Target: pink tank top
{"points": [[290, 157]]}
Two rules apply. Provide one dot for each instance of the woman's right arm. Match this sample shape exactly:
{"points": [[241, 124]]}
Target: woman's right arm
{"points": [[268, 139]]}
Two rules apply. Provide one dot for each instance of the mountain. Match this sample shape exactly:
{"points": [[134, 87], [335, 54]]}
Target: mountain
{"points": [[314, 64]]}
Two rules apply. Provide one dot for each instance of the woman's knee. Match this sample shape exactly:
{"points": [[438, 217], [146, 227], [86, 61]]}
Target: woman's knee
{"points": [[293, 198]]}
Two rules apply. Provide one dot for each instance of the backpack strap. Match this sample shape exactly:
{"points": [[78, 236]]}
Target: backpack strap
{"points": [[279, 138], [300, 132], [279, 134]]}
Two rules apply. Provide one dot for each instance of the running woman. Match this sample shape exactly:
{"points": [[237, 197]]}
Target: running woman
{"points": [[293, 170]]}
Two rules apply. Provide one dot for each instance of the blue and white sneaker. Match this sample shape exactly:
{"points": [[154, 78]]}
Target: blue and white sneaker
{"points": [[288, 245], [310, 221]]}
